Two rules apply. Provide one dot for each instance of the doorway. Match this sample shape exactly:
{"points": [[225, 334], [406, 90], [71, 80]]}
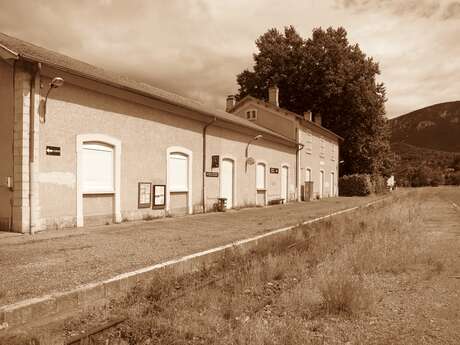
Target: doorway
{"points": [[227, 178], [284, 183], [321, 184], [332, 184]]}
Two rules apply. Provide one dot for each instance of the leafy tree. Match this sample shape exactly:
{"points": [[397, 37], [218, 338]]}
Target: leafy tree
{"points": [[327, 75], [456, 163]]}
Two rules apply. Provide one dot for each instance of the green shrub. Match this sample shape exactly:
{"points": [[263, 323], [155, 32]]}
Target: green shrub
{"points": [[355, 185]]}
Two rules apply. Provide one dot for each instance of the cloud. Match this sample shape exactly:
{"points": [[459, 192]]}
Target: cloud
{"points": [[440, 9], [452, 11], [196, 48]]}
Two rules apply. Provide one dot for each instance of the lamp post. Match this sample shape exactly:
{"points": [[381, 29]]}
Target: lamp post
{"points": [[257, 137], [55, 83]]}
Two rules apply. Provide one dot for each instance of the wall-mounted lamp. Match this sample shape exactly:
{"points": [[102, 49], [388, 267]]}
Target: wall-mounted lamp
{"points": [[257, 137], [55, 83]]}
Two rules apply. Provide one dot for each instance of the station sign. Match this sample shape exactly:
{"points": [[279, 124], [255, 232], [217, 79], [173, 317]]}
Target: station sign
{"points": [[53, 150]]}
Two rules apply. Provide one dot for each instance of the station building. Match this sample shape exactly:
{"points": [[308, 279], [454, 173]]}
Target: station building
{"points": [[82, 146]]}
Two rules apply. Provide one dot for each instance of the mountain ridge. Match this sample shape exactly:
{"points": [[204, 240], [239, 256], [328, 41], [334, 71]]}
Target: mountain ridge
{"points": [[436, 127]]}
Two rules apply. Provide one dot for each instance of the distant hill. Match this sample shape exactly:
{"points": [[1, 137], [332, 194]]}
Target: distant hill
{"points": [[411, 156], [436, 127]]}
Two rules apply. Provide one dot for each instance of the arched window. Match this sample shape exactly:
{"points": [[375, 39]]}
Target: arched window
{"points": [[260, 176], [179, 177], [307, 175], [178, 172], [97, 168]]}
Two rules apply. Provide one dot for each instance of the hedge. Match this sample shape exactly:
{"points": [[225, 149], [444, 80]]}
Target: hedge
{"points": [[355, 185]]}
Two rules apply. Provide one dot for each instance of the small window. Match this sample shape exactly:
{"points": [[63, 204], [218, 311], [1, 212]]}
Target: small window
{"points": [[308, 175], [97, 168], [260, 176], [309, 144], [178, 172], [322, 148], [333, 152], [251, 115]]}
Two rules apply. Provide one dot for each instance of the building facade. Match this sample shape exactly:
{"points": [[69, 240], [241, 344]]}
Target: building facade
{"points": [[102, 148], [317, 157]]}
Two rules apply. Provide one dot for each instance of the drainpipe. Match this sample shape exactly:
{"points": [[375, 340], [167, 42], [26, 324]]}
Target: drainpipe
{"points": [[297, 165], [10, 225], [204, 162], [32, 159]]}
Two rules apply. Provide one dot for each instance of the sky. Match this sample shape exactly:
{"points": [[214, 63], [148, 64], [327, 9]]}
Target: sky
{"points": [[196, 48]]}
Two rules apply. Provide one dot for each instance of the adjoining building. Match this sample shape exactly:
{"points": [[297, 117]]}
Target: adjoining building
{"points": [[80, 146], [317, 160]]}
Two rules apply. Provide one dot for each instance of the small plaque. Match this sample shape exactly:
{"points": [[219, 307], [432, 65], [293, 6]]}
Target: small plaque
{"points": [[144, 194], [212, 174], [53, 150], [215, 161], [159, 191], [274, 171]]}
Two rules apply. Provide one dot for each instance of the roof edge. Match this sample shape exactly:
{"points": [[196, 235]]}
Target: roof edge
{"points": [[29, 58], [8, 54], [285, 111]]}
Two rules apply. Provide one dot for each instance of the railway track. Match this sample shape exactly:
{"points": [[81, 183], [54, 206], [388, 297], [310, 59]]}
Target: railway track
{"points": [[86, 337]]}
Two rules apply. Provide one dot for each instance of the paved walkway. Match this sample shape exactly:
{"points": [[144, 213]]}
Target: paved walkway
{"points": [[31, 266]]}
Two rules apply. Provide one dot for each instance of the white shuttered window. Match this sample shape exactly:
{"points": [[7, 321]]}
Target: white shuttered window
{"points": [[178, 172], [260, 176], [97, 168], [309, 144]]}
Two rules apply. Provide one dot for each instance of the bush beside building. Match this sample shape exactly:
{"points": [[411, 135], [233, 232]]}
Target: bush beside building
{"points": [[362, 185], [355, 185]]}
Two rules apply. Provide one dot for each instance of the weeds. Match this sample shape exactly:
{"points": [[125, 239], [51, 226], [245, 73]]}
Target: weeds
{"points": [[277, 293], [343, 291]]}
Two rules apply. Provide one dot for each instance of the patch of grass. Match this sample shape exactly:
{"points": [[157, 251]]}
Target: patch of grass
{"points": [[343, 291]]}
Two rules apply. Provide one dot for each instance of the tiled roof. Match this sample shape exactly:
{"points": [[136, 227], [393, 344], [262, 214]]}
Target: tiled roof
{"points": [[29, 51], [286, 112]]}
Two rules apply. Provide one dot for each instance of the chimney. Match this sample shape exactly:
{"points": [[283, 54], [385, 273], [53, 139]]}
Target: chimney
{"points": [[308, 115], [231, 101], [318, 119], [273, 96]]}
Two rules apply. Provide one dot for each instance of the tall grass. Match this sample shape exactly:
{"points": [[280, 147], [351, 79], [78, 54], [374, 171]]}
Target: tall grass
{"points": [[274, 295], [277, 293]]}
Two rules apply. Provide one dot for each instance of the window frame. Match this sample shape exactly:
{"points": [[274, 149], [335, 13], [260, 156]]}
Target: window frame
{"points": [[309, 143], [97, 146], [182, 188], [264, 176], [117, 148], [251, 114], [189, 153], [322, 150]]}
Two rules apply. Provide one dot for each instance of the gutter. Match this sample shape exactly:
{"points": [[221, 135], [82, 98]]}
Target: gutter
{"points": [[297, 166], [203, 192], [32, 158], [8, 54]]}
